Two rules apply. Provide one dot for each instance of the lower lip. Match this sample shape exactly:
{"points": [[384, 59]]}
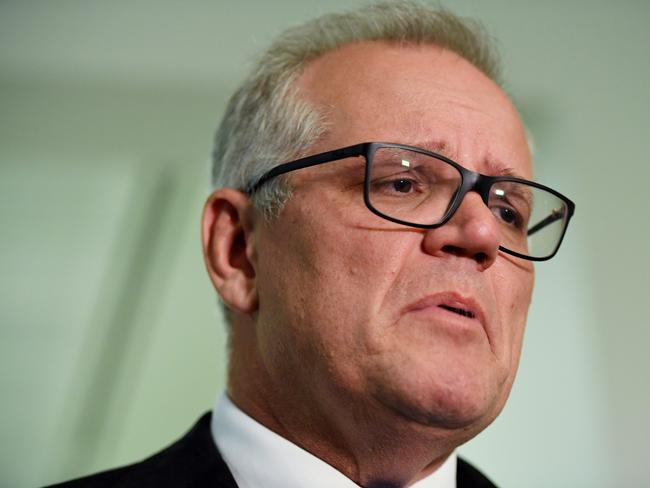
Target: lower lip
{"points": [[442, 317]]}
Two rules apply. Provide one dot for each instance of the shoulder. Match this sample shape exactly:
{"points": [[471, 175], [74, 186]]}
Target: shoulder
{"points": [[190, 462], [467, 476]]}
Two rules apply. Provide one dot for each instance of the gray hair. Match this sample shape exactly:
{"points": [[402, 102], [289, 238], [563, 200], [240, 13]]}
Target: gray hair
{"points": [[266, 123]]}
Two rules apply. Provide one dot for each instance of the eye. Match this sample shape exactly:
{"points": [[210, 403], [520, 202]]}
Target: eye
{"points": [[402, 185], [508, 215], [396, 186]]}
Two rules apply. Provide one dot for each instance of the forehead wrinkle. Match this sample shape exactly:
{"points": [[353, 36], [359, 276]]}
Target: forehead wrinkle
{"points": [[492, 166]]}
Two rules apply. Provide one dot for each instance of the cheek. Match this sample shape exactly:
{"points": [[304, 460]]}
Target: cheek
{"points": [[514, 292], [323, 277], [335, 251]]}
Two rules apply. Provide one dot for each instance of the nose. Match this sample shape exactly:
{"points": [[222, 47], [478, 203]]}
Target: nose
{"points": [[472, 233]]}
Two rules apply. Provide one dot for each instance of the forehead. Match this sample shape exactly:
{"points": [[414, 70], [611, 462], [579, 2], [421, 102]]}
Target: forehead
{"points": [[419, 95]]}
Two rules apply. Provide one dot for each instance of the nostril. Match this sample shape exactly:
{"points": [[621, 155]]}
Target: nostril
{"points": [[456, 251], [481, 257]]}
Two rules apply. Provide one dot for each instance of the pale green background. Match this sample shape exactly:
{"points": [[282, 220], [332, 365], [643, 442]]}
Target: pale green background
{"points": [[111, 341]]}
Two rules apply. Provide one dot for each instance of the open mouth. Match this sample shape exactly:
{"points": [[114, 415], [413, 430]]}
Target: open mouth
{"points": [[459, 311], [465, 306]]}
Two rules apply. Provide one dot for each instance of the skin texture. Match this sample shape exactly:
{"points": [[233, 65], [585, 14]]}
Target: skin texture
{"points": [[337, 342]]}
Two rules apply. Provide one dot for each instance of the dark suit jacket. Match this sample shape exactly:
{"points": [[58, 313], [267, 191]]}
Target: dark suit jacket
{"points": [[194, 461]]}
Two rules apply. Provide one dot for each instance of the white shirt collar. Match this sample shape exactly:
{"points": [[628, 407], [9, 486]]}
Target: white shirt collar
{"points": [[260, 458]]}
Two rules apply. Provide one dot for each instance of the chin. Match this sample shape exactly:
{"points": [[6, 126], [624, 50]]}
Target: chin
{"points": [[457, 402]]}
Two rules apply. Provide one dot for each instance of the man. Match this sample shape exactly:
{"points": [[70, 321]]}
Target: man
{"points": [[371, 235]]}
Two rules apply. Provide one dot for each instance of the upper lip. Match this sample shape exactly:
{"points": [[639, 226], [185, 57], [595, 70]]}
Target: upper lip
{"points": [[455, 302]]}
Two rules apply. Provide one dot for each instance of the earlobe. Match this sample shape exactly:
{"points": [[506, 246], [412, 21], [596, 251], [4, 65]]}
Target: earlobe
{"points": [[228, 248]]}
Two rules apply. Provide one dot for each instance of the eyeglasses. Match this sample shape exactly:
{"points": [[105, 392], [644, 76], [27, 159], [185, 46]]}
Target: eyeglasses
{"points": [[418, 188]]}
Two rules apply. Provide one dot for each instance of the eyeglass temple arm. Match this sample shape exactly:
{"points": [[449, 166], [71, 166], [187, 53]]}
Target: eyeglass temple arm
{"points": [[326, 157], [554, 216]]}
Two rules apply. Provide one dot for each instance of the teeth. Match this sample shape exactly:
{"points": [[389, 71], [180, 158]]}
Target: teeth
{"points": [[459, 311]]}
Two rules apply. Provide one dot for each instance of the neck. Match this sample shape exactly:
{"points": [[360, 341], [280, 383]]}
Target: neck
{"points": [[368, 442], [395, 457], [372, 449]]}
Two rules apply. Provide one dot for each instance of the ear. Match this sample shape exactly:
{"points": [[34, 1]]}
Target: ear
{"points": [[228, 248]]}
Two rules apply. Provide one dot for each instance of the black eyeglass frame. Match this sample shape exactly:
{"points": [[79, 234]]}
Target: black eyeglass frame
{"points": [[470, 181]]}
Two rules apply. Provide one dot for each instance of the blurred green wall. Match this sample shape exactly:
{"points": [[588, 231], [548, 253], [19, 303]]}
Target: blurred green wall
{"points": [[111, 340]]}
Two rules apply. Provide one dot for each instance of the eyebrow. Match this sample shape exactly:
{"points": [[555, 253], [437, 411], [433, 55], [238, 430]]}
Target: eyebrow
{"points": [[436, 146], [493, 166]]}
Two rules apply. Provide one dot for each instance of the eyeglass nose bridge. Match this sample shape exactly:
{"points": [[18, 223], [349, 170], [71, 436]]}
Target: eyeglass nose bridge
{"points": [[470, 181]]}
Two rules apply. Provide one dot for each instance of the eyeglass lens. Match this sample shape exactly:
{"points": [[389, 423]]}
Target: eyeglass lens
{"points": [[419, 189]]}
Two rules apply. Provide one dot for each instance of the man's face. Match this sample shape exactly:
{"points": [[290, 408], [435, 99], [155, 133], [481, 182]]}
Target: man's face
{"points": [[356, 310]]}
